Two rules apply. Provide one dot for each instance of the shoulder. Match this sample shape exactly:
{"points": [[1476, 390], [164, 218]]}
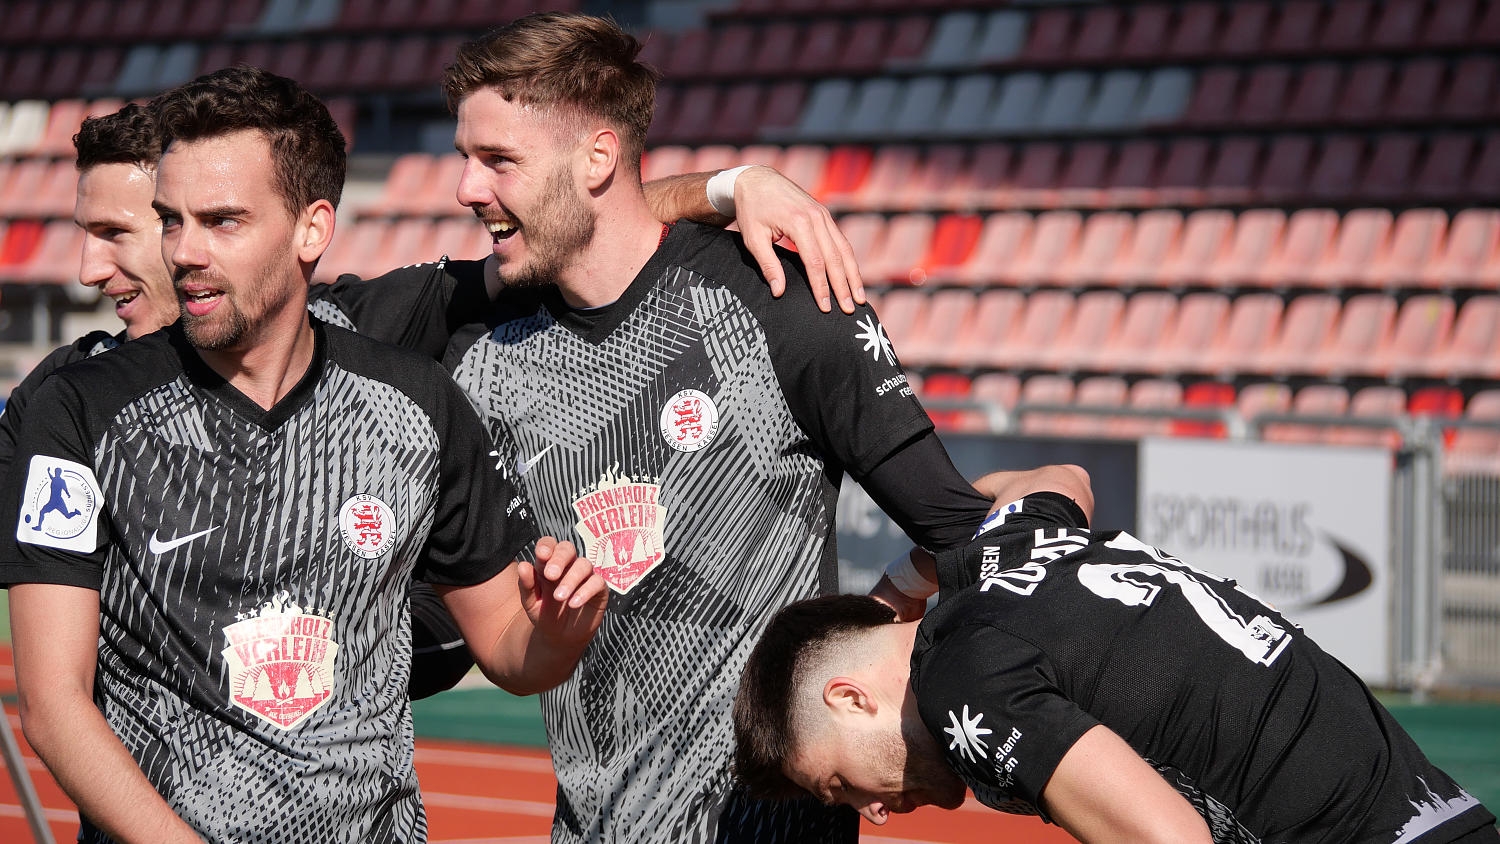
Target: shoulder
{"points": [[720, 257], [106, 382], [364, 355]]}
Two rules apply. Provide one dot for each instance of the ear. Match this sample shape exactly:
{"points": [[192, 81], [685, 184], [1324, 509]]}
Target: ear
{"points": [[848, 697], [601, 157], [314, 231]]}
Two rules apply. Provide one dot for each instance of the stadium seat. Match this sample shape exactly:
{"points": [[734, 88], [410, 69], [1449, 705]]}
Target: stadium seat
{"points": [[900, 312], [733, 49], [1164, 98], [952, 243], [1197, 31], [1044, 317], [408, 178], [1015, 107], [1132, 179], [1104, 236], [1336, 169], [1046, 389], [437, 198], [804, 163], [1347, 27], [988, 180], [1244, 33], [945, 179], [1264, 99], [908, 38], [458, 237], [1080, 184], [1153, 239], [1232, 177], [690, 56], [1050, 37], [1252, 325], [1314, 94], [409, 241], [820, 48], [1417, 91], [1285, 174], [946, 318], [1095, 319], [1098, 37], [1257, 234], [893, 259], [1142, 327], [1204, 395], [1306, 328], [1053, 239], [1472, 90], [1389, 174], [1477, 450], [1098, 392], [863, 231], [917, 109], [1034, 180], [52, 195], [891, 169], [1470, 351], [1363, 331], [1183, 171], [1436, 400], [780, 43], [1473, 238], [1205, 234], [138, 74], [1155, 394], [1263, 398], [58, 238], [1001, 242], [1449, 23], [1001, 389], [1212, 104], [1147, 33], [874, 108], [1443, 175], [18, 243], [1362, 238], [1113, 106], [23, 19], [1484, 176], [1309, 234], [864, 49], [738, 117], [1398, 24], [658, 162], [1416, 242], [1379, 402], [694, 119], [953, 42], [1366, 92], [1422, 330], [827, 108], [952, 386], [1321, 400], [1296, 29], [844, 172], [98, 76], [782, 107], [408, 62], [62, 74], [1002, 38], [982, 339]]}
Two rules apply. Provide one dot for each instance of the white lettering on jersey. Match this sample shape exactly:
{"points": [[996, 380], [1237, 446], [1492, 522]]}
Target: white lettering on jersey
{"points": [[876, 343], [1006, 761], [60, 505], [966, 734], [623, 526], [689, 421], [280, 662], [368, 526]]}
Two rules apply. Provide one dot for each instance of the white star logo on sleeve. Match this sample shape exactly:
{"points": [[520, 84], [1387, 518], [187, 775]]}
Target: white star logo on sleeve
{"points": [[967, 735], [876, 343]]}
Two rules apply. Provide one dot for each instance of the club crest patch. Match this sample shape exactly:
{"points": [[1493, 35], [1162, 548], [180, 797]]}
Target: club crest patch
{"points": [[689, 421], [368, 525], [281, 662], [60, 505], [622, 522]]}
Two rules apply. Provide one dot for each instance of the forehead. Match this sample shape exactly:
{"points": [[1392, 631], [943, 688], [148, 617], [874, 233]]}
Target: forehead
{"points": [[231, 167], [486, 119], [109, 190]]}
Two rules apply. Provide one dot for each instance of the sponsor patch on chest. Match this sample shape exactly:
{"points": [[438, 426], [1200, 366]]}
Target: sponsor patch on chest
{"points": [[622, 522], [280, 661], [689, 421]]}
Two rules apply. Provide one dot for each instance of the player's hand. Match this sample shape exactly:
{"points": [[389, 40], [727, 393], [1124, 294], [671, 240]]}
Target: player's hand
{"points": [[562, 594], [907, 608], [769, 207]]}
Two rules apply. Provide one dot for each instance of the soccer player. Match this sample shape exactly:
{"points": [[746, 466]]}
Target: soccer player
{"points": [[216, 645], [687, 427], [1096, 681]]}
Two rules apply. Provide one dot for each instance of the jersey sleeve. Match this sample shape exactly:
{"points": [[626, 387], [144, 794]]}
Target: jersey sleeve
{"points": [[919, 487], [959, 566], [56, 509], [20, 397], [989, 699], [483, 518], [416, 307]]}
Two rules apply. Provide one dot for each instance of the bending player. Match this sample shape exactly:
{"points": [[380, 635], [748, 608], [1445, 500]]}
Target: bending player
{"points": [[1093, 680]]}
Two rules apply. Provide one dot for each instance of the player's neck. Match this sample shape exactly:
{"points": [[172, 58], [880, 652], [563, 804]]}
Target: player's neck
{"points": [[272, 358], [625, 238]]}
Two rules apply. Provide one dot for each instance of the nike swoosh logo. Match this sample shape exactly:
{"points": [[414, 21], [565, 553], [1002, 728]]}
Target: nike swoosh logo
{"points": [[524, 466], [159, 547]]}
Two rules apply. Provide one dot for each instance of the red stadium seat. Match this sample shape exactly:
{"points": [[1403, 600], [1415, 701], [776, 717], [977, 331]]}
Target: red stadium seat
{"points": [[1236, 163], [1417, 91], [1214, 97], [987, 179], [63, 121], [941, 181], [1366, 92], [1154, 237], [1100, 392], [408, 242], [908, 41], [1363, 331], [1476, 450], [782, 107], [805, 163], [18, 242], [845, 172], [408, 178], [690, 56], [1197, 31], [1000, 389], [1263, 398], [1245, 33], [1096, 318], [952, 243], [1440, 401], [864, 50], [1105, 235], [1422, 329], [1450, 23], [1053, 239], [1252, 326], [1001, 242], [1044, 317], [1148, 32], [1081, 184], [1033, 183], [437, 198], [1132, 180], [739, 113], [1444, 172], [1188, 336], [1473, 238], [1284, 176], [1050, 38], [863, 232], [1379, 402], [1149, 394], [900, 312], [732, 50], [1204, 395], [1145, 322], [1470, 351], [1044, 390], [1309, 235], [995, 318], [693, 121], [1314, 400], [1315, 94], [407, 69], [1399, 24], [1266, 93], [895, 257], [950, 385], [1335, 171], [1306, 328], [947, 317], [1257, 235], [892, 167], [1391, 170], [1362, 238], [780, 42], [1472, 91], [59, 237], [1205, 235], [1416, 242], [1184, 171], [1099, 35], [820, 48]]}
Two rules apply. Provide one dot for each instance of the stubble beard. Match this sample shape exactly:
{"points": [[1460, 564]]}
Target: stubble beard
{"points": [[565, 227]]}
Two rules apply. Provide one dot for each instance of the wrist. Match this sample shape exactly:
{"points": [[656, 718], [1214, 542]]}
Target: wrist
{"points": [[720, 189], [908, 580]]}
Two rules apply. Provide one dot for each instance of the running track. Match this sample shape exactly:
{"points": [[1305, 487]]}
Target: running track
{"points": [[487, 794]]}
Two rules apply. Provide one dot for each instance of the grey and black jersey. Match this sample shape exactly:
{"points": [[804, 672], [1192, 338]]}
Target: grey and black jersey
{"points": [[253, 569], [1060, 629]]}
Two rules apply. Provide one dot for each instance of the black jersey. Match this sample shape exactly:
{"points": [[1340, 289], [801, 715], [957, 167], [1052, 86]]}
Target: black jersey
{"points": [[1268, 736], [253, 569], [15, 407]]}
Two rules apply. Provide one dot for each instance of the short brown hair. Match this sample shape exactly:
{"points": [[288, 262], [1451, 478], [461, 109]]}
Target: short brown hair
{"points": [[307, 148], [127, 136], [572, 61], [765, 709]]}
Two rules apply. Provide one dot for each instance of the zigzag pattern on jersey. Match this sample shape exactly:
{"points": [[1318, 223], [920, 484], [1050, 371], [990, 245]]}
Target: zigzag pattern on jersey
{"points": [[177, 462], [748, 519]]}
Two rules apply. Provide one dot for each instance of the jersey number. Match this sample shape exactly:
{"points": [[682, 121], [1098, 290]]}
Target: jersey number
{"points": [[1261, 640]]}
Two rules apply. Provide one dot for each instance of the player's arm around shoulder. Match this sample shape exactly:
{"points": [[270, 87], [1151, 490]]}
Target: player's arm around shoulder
{"points": [[529, 624], [1103, 791], [1062, 478]]}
